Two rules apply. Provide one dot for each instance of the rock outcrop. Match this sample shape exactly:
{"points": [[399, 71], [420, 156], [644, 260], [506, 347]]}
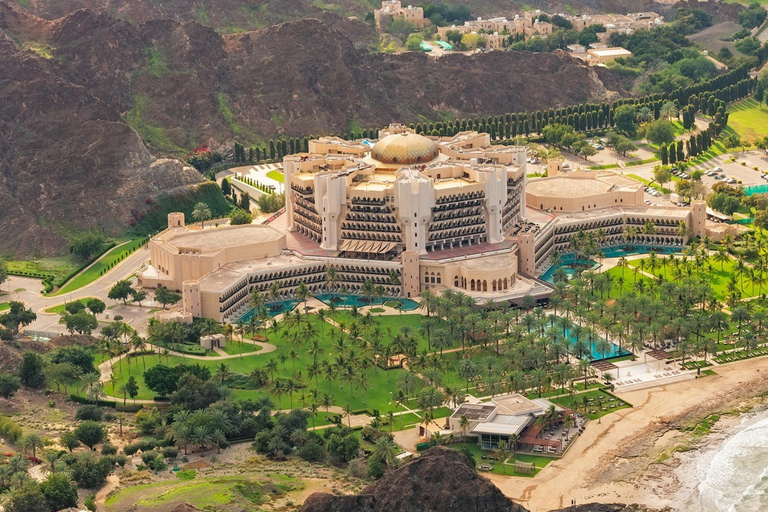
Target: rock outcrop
{"points": [[438, 481]]}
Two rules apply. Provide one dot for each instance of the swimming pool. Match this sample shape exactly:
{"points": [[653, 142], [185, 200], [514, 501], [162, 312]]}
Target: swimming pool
{"points": [[595, 354], [348, 300], [569, 261], [274, 309]]}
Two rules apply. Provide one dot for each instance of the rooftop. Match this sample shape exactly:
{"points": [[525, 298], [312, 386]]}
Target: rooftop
{"points": [[565, 186], [214, 239]]}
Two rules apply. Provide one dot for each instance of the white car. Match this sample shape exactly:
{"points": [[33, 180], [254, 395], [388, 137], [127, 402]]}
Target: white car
{"points": [[717, 169]]}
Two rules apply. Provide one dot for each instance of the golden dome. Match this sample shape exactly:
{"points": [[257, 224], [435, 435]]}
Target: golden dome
{"points": [[404, 148]]}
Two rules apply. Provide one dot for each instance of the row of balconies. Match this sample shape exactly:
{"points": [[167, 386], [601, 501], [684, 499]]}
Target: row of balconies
{"points": [[450, 224], [369, 226], [368, 217], [373, 237], [315, 228], [309, 215], [304, 203], [286, 274], [370, 209], [455, 214], [369, 200], [456, 233], [460, 197], [456, 206], [306, 191]]}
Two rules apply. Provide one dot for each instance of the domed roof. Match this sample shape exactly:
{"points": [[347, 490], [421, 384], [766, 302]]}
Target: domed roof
{"points": [[404, 148]]}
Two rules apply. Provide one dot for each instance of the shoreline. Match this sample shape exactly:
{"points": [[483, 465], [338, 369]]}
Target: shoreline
{"points": [[620, 460]]}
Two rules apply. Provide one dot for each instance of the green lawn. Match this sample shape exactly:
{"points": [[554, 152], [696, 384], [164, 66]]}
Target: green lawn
{"points": [[599, 405], [234, 347], [59, 268], [275, 175], [102, 264], [718, 278], [390, 326], [379, 383], [5, 306], [604, 166], [624, 280], [219, 493], [58, 310], [538, 461], [749, 119]]}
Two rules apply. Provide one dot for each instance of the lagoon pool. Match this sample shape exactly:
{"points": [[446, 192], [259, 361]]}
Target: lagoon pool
{"points": [[349, 300], [595, 354], [570, 262], [274, 308]]}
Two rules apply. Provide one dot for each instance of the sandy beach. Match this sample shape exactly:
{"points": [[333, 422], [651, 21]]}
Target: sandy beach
{"points": [[615, 461]]}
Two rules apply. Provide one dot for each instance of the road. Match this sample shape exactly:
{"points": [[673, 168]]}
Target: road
{"points": [[28, 291]]}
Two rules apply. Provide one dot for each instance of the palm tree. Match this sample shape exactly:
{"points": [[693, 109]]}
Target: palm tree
{"points": [[32, 442], [201, 437], [385, 451], [201, 213], [223, 373], [464, 425], [347, 409], [502, 451], [182, 434]]}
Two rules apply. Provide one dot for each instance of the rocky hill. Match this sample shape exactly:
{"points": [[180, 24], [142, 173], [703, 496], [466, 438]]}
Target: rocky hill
{"points": [[438, 481], [230, 16], [82, 96]]}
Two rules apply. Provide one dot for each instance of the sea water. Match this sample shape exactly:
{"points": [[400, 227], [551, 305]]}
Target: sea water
{"points": [[733, 476]]}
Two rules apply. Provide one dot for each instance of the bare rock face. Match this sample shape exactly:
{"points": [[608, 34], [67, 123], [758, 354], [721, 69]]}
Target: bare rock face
{"points": [[438, 481], [67, 160]]}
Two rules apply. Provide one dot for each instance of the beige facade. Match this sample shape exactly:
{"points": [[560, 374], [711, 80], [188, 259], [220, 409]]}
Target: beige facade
{"points": [[394, 9], [578, 191], [605, 55]]}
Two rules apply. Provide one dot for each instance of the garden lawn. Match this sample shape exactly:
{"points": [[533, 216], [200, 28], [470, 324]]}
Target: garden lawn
{"points": [[276, 175], [719, 277], [538, 461], [93, 272], [219, 493], [5, 306], [749, 119], [391, 325], [596, 404], [59, 268], [624, 280], [234, 347], [61, 308]]}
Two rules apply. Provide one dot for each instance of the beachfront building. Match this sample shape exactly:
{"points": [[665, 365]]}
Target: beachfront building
{"points": [[393, 9], [405, 213], [503, 418]]}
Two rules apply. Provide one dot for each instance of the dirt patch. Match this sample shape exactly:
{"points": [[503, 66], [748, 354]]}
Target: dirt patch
{"points": [[201, 464], [711, 37]]}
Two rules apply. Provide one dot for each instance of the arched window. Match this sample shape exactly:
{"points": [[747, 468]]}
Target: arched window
{"points": [[433, 277], [426, 277], [439, 279], [485, 286], [456, 281], [472, 285], [493, 287], [505, 283]]}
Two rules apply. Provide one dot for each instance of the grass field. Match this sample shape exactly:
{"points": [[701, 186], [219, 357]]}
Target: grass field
{"points": [[5, 306], [648, 183], [599, 403], [275, 175], [749, 119], [624, 280], [58, 310], [538, 461], [226, 493], [95, 271], [59, 268]]}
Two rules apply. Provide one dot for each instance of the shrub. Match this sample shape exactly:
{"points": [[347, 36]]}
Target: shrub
{"points": [[170, 452], [130, 449], [89, 412], [311, 452], [90, 503], [108, 449], [186, 474]]}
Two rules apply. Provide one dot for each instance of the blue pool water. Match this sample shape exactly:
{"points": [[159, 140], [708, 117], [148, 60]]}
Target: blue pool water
{"points": [[597, 355], [568, 260], [349, 300], [274, 308]]}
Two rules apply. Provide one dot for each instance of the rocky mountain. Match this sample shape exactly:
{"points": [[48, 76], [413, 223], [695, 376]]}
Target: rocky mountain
{"points": [[66, 158], [438, 481], [83, 97], [231, 16]]}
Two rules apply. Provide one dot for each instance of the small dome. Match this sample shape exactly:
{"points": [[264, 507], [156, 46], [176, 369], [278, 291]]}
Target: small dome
{"points": [[404, 148]]}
